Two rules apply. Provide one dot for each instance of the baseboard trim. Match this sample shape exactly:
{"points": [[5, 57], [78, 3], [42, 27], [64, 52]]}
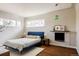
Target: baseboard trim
{"points": [[63, 45]]}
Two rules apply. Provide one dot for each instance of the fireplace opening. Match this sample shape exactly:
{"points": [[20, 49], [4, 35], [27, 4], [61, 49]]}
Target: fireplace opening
{"points": [[59, 37]]}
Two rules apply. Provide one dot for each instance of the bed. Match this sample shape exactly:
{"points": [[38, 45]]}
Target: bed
{"points": [[25, 42]]}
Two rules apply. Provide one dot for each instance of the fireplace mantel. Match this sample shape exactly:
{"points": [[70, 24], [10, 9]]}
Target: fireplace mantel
{"points": [[60, 31]]}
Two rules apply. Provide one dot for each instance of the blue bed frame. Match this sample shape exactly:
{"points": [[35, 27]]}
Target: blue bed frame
{"points": [[41, 34]]}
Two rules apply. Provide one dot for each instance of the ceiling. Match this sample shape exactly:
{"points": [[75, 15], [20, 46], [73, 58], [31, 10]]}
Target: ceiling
{"points": [[32, 9]]}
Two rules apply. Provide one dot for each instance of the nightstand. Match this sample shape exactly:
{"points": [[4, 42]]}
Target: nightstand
{"points": [[4, 52], [46, 41]]}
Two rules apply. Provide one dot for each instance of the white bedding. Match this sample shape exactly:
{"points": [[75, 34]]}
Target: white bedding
{"points": [[21, 43]]}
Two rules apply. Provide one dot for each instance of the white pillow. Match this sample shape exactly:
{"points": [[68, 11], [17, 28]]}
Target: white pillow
{"points": [[32, 36]]}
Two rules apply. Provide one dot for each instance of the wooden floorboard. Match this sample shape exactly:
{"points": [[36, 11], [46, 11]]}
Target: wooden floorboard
{"points": [[57, 51]]}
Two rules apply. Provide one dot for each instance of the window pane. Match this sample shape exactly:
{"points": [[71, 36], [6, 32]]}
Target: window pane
{"points": [[12, 23], [18, 23], [1, 21], [9, 22], [35, 23]]}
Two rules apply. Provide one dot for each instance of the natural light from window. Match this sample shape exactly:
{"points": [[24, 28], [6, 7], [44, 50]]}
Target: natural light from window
{"points": [[1, 21], [10, 22], [35, 23]]}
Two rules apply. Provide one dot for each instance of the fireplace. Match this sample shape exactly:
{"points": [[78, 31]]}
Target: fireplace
{"points": [[60, 37]]}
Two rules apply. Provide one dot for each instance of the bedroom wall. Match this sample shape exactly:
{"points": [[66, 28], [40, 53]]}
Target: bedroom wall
{"points": [[14, 32], [66, 17], [77, 26]]}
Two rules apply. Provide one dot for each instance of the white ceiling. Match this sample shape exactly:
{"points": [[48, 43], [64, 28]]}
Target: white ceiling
{"points": [[31, 9]]}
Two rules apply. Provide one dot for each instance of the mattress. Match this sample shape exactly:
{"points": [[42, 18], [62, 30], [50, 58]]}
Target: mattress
{"points": [[21, 43]]}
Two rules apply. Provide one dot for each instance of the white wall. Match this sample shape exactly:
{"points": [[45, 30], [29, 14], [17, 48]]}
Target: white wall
{"points": [[77, 26], [67, 18], [14, 32]]}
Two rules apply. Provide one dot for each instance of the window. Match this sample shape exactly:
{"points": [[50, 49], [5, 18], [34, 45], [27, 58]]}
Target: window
{"points": [[35, 23], [9, 22]]}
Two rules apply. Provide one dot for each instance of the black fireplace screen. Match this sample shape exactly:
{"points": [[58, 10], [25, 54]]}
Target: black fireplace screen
{"points": [[60, 37]]}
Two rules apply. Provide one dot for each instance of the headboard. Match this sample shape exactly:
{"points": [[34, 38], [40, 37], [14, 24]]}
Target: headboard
{"points": [[41, 34]]}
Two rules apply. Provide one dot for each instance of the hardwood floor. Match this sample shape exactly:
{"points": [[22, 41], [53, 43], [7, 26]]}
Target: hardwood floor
{"points": [[57, 51]]}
